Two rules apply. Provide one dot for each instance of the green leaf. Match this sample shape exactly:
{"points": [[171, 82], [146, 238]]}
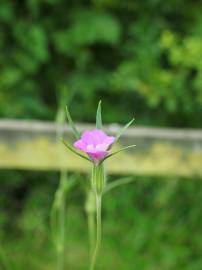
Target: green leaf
{"points": [[74, 129], [118, 151], [123, 129], [117, 183], [99, 116], [74, 151]]}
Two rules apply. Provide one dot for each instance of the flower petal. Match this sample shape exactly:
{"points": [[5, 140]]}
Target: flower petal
{"points": [[109, 140], [80, 145], [97, 156], [95, 143], [94, 137]]}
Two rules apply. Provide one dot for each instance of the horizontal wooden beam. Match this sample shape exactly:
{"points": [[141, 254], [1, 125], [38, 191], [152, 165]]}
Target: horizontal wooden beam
{"points": [[151, 132], [159, 151]]}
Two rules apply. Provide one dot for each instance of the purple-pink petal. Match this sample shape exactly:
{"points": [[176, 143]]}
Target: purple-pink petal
{"points": [[80, 145], [94, 137], [97, 156], [95, 143], [109, 140]]}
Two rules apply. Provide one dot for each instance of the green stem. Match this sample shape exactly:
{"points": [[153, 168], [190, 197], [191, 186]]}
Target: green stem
{"points": [[60, 204], [91, 230], [98, 232], [90, 209], [61, 218], [58, 220]]}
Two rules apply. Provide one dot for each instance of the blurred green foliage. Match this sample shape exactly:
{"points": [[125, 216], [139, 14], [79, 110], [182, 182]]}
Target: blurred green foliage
{"points": [[142, 56], [137, 56], [150, 224]]}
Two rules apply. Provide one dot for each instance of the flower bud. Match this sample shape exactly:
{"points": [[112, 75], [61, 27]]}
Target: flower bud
{"points": [[98, 178]]}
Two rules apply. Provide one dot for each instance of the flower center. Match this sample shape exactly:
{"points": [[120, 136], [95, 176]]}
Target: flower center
{"points": [[98, 147]]}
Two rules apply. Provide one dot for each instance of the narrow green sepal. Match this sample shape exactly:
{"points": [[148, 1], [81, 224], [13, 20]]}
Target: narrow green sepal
{"points": [[74, 151], [118, 151], [74, 129], [99, 116], [123, 129]]}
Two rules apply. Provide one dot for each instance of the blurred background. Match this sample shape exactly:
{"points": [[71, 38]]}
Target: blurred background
{"points": [[142, 58]]}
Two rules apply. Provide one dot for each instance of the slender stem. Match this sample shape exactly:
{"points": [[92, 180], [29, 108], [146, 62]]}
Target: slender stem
{"points": [[98, 232], [58, 220], [60, 216], [90, 212], [91, 230], [61, 220], [59, 204]]}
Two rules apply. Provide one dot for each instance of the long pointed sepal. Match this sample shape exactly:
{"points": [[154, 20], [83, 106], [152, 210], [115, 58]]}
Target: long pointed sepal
{"points": [[123, 130], [99, 116], [71, 123], [74, 151], [118, 151]]}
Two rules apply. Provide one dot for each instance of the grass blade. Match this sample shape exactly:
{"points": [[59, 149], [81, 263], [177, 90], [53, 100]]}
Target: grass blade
{"points": [[74, 129], [99, 116]]}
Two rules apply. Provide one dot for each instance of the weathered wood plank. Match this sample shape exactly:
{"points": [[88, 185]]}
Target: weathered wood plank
{"points": [[33, 145]]}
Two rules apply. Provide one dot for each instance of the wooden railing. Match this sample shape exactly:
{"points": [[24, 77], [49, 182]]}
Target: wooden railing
{"points": [[33, 145]]}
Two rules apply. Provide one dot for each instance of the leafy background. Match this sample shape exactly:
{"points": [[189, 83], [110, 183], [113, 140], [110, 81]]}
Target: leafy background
{"points": [[141, 57]]}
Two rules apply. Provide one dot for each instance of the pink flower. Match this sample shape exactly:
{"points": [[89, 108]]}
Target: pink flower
{"points": [[95, 144]]}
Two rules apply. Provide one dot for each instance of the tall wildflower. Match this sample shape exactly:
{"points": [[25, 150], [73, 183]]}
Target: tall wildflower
{"points": [[95, 146]]}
